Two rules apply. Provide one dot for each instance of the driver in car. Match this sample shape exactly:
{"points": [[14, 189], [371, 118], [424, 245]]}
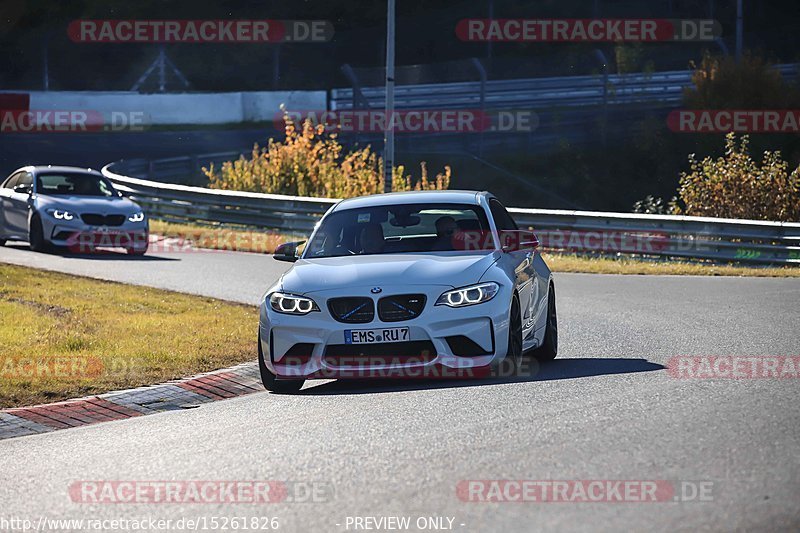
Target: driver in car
{"points": [[446, 228], [371, 239]]}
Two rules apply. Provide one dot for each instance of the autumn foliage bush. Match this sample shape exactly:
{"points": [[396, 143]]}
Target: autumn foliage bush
{"points": [[752, 83], [736, 186], [312, 162]]}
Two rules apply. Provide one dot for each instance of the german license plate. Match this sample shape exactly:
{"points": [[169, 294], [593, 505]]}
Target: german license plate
{"points": [[374, 336]]}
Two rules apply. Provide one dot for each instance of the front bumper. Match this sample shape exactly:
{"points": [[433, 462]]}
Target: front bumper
{"points": [[443, 341], [83, 238]]}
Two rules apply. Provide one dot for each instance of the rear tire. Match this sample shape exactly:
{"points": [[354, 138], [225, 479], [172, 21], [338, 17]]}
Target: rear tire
{"points": [[36, 236], [549, 348], [2, 242], [272, 383]]}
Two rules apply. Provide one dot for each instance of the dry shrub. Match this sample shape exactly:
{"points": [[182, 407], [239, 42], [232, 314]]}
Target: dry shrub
{"points": [[736, 186], [312, 162], [753, 83]]}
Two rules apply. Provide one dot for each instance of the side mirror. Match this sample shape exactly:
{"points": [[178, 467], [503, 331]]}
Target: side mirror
{"points": [[519, 240], [287, 251], [23, 188]]}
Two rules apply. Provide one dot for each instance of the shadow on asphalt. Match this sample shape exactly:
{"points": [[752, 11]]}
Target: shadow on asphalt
{"points": [[97, 255], [582, 367]]}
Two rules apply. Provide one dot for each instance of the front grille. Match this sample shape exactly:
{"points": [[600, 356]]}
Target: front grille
{"points": [[380, 354], [400, 307], [352, 310], [94, 219]]}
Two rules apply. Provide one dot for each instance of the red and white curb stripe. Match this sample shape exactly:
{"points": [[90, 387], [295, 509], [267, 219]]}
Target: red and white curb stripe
{"points": [[173, 395]]}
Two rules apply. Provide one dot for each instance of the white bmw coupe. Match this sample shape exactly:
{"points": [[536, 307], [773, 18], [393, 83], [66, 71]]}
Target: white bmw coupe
{"points": [[414, 284], [69, 208]]}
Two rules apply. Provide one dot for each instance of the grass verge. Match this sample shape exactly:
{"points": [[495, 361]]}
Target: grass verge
{"points": [[67, 336], [217, 238], [601, 265], [244, 240]]}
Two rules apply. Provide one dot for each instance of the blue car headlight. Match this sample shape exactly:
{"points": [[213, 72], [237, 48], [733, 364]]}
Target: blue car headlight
{"points": [[136, 217], [291, 304], [61, 214], [471, 295]]}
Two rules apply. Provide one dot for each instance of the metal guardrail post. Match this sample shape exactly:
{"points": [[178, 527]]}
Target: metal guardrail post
{"points": [[482, 73], [600, 56], [359, 101]]}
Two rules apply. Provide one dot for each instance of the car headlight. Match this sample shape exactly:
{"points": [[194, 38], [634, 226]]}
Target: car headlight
{"points": [[291, 304], [474, 294], [61, 214], [136, 217]]}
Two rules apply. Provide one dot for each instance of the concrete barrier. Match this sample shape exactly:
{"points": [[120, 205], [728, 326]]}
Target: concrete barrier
{"points": [[183, 108]]}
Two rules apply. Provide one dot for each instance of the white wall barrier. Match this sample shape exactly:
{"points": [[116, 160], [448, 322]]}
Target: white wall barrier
{"points": [[181, 108]]}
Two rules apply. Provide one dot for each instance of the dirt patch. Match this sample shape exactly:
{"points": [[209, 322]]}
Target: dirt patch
{"points": [[54, 310]]}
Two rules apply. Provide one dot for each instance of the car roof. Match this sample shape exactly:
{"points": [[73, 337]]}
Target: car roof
{"points": [[40, 169], [413, 197]]}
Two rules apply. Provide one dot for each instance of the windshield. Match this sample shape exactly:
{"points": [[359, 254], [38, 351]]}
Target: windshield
{"points": [[74, 184], [406, 228]]}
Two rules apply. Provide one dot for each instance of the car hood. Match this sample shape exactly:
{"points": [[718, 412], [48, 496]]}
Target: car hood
{"points": [[88, 204], [446, 269]]}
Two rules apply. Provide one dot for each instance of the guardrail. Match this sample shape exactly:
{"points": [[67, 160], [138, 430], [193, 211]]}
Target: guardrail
{"points": [[681, 237], [183, 203], [653, 89], [185, 170]]}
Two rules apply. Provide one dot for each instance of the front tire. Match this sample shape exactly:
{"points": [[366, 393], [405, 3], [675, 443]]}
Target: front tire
{"points": [[513, 360], [36, 236], [549, 348], [136, 252], [270, 381]]}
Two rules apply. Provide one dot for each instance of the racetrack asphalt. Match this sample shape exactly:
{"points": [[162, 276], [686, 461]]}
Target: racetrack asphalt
{"points": [[607, 409]]}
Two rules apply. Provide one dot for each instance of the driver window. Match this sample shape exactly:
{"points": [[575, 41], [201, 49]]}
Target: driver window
{"points": [[12, 181], [501, 217], [25, 179]]}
